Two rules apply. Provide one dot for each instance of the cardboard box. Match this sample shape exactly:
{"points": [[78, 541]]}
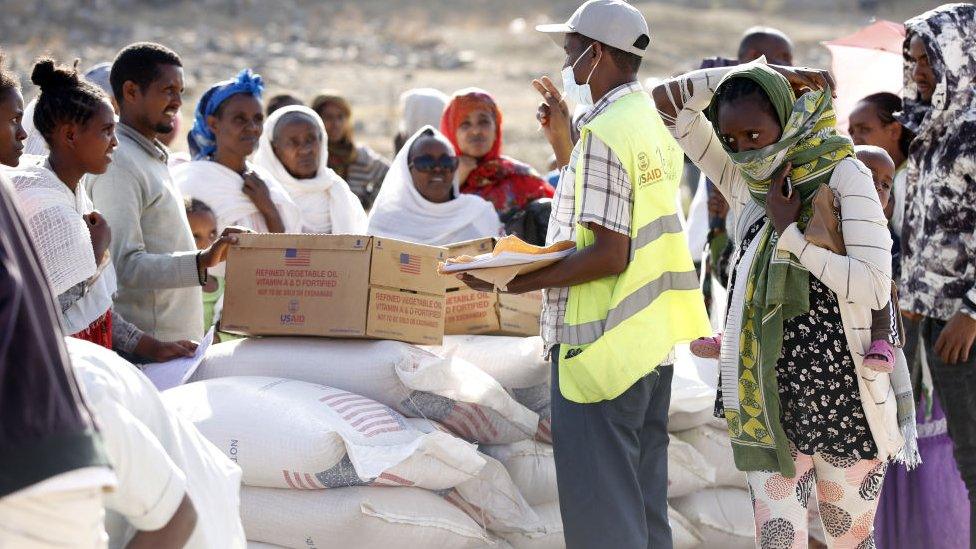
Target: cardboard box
{"points": [[471, 312], [334, 285], [520, 314], [474, 247]]}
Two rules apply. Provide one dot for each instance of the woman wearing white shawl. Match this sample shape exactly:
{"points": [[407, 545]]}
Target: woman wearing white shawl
{"points": [[296, 136], [417, 201], [226, 129]]}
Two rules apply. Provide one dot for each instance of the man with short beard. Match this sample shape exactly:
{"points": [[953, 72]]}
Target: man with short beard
{"points": [[160, 271]]}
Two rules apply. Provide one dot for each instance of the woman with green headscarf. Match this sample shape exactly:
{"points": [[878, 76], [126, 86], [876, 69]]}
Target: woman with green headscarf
{"points": [[801, 408]]}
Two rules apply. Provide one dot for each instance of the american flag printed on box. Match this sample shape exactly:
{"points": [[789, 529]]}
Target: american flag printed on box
{"points": [[297, 258], [409, 263]]}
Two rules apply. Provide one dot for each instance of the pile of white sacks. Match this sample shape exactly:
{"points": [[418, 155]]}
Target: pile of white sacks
{"points": [[714, 500], [350, 443]]}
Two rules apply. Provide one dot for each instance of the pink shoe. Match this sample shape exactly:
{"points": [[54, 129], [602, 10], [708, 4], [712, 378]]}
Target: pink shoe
{"points": [[880, 357], [707, 347]]}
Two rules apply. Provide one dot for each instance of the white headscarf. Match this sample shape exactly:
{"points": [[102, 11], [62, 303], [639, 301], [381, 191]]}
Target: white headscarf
{"points": [[401, 212], [326, 202], [421, 107], [54, 218], [53, 214], [221, 188]]}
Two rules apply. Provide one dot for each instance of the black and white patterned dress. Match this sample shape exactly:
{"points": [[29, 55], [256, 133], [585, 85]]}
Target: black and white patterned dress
{"points": [[819, 398]]}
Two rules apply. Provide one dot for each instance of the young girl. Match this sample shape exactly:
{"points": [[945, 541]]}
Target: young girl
{"points": [[886, 330], [203, 225], [77, 122]]}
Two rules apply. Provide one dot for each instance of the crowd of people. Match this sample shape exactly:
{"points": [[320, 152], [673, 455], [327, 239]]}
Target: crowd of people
{"points": [[849, 262]]}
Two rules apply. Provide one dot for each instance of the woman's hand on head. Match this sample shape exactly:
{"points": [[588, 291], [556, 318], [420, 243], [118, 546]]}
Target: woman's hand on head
{"points": [[804, 78], [783, 211]]}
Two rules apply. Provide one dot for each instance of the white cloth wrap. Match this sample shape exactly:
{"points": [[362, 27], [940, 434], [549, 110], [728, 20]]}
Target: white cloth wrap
{"points": [[401, 212], [221, 188], [54, 218], [63, 241], [327, 204]]}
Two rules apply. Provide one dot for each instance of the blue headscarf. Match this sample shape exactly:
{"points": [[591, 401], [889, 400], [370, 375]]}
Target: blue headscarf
{"points": [[201, 138]]}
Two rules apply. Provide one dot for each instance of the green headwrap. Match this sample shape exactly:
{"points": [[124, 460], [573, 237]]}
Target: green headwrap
{"points": [[778, 286]]}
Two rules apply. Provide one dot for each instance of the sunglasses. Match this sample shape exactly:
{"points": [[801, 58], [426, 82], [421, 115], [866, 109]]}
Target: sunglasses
{"points": [[427, 163]]}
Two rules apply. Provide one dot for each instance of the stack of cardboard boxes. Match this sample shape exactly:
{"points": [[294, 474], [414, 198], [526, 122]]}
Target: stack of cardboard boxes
{"points": [[334, 285], [352, 286]]}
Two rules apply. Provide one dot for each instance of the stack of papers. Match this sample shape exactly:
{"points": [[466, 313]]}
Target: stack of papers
{"points": [[510, 258], [503, 259]]}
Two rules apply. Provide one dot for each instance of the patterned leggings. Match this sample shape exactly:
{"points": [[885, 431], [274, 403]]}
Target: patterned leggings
{"points": [[847, 493]]}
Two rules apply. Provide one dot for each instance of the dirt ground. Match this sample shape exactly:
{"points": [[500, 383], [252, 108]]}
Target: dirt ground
{"points": [[373, 50]]}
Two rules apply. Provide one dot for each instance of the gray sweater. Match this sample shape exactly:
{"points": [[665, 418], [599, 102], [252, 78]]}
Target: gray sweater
{"points": [[152, 246]]}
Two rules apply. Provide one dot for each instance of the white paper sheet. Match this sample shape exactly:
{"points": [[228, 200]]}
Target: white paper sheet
{"points": [[173, 373], [504, 259]]}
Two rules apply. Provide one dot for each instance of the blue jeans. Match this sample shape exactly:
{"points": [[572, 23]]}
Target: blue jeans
{"points": [[612, 465], [955, 386]]}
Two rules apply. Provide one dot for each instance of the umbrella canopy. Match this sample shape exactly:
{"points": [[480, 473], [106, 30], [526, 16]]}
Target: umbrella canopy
{"points": [[868, 61]]}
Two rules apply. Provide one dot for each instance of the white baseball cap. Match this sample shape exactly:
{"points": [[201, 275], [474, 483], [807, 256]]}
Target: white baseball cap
{"points": [[612, 22]]}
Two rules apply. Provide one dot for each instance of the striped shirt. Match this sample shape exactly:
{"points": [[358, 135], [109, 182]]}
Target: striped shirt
{"points": [[607, 201]]}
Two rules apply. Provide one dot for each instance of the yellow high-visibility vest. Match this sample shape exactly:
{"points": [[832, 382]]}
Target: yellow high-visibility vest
{"points": [[619, 328]]}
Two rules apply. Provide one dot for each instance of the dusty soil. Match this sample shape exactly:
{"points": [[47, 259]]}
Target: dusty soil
{"points": [[372, 50]]}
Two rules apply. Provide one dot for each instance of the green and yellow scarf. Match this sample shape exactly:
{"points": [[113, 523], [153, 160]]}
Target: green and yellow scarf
{"points": [[778, 286]]}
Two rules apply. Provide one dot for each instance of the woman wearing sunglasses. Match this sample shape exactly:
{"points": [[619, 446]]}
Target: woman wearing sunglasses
{"points": [[418, 202]]}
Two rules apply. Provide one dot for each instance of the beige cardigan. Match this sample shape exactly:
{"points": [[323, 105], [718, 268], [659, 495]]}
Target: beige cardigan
{"points": [[861, 279]]}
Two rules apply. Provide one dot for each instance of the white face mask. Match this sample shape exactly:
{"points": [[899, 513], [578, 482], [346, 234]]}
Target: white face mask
{"points": [[580, 93]]}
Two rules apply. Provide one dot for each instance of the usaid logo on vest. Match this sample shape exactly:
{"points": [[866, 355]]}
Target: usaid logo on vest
{"points": [[647, 175]]}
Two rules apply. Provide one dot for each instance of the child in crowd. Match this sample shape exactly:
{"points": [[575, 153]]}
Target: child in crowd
{"points": [[886, 329], [203, 225], [885, 323]]}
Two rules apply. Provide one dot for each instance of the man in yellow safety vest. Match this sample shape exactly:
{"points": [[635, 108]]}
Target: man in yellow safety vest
{"points": [[616, 307]]}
